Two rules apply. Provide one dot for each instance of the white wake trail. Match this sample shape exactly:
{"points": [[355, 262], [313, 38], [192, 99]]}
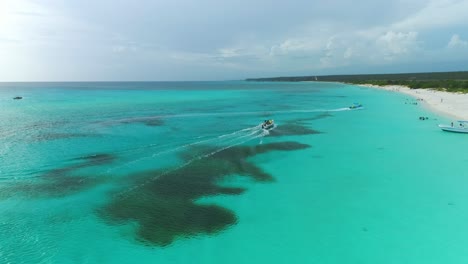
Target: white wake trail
{"points": [[227, 114], [123, 194], [226, 138]]}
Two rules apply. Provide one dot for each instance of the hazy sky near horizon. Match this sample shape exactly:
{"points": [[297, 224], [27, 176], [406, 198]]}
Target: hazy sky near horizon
{"points": [[85, 40]]}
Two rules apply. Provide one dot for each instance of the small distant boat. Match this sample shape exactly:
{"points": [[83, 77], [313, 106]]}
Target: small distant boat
{"points": [[356, 106], [268, 124], [17, 98], [460, 127]]}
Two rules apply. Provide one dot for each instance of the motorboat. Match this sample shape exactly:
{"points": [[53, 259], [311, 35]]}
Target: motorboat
{"points": [[268, 124], [459, 127], [356, 106]]}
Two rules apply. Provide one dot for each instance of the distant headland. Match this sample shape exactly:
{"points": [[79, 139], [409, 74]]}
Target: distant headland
{"points": [[446, 81]]}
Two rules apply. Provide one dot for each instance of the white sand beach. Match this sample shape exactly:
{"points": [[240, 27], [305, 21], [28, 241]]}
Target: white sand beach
{"points": [[453, 105]]}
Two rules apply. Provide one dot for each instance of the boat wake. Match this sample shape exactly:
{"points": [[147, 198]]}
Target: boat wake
{"points": [[241, 138], [221, 141], [194, 115]]}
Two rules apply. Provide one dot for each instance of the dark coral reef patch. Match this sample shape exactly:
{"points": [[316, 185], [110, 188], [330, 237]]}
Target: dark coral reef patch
{"points": [[298, 126], [165, 203], [316, 117], [292, 129], [148, 121], [60, 182], [56, 136]]}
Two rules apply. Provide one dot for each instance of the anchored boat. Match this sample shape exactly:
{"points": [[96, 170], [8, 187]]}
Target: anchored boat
{"points": [[459, 127]]}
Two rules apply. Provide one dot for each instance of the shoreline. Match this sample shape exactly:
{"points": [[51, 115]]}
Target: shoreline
{"points": [[451, 105]]}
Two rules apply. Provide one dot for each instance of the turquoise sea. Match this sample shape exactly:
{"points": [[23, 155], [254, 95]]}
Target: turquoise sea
{"points": [[180, 172]]}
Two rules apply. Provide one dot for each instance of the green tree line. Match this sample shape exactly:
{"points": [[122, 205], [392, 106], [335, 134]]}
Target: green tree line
{"points": [[447, 81]]}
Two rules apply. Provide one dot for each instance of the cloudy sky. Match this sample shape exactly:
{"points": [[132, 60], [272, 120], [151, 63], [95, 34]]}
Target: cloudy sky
{"points": [[83, 40]]}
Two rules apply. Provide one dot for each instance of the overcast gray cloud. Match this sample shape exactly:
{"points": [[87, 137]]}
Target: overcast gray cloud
{"points": [[216, 40]]}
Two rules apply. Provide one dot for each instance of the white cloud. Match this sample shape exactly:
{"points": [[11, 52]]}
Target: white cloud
{"points": [[457, 42], [297, 46], [229, 52], [42, 37], [348, 53], [119, 49], [436, 14], [129, 47], [16, 19], [394, 44], [329, 52]]}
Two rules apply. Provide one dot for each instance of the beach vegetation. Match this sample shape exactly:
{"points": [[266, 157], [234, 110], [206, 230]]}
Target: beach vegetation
{"points": [[445, 81]]}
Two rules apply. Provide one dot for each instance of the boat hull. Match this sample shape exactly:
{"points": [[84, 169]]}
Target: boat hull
{"points": [[454, 129]]}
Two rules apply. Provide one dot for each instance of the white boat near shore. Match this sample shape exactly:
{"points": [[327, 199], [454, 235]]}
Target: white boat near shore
{"points": [[461, 127]]}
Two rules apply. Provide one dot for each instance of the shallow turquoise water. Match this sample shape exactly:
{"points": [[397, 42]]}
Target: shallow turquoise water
{"points": [[179, 173]]}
